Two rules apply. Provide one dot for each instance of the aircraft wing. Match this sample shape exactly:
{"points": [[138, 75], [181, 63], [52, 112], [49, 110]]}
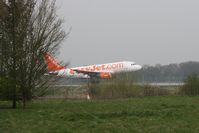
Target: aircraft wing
{"points": [[104, 75], [89, 73]]}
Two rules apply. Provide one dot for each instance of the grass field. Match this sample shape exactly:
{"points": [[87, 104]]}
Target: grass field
{"points": [[148, 114]]}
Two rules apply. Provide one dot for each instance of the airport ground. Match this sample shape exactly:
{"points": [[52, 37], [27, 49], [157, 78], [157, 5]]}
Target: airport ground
{"points": [[145, 114], [78, 89]]}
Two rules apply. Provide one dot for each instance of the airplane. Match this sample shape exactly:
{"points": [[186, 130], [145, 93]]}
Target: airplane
{"points": [[100, 71]]}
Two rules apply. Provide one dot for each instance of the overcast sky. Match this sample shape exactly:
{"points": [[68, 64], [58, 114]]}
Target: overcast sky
{"points": [[145, 31]]}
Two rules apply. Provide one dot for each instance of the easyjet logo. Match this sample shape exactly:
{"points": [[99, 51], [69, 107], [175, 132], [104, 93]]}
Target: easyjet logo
{"points": [[53, 61], [103, 67]]}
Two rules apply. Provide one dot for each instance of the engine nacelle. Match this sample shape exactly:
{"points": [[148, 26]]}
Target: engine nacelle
{"points": [[105, 75]]}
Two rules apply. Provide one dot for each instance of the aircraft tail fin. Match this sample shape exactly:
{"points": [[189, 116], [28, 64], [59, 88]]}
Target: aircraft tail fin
{"points": [[52, 63]]}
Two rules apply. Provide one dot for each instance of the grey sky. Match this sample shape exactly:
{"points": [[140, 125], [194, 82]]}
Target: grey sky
{"points": [[144, 31]]}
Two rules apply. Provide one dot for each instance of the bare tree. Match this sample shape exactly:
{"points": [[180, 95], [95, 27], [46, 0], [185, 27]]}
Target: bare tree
{"points": [[31, 29]]}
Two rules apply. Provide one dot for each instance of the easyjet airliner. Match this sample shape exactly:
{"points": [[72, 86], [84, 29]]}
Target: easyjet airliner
{"points": [[103, 71]]}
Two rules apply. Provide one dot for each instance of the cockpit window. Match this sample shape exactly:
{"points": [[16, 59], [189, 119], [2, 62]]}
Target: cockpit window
{"points": [[133, 64]]}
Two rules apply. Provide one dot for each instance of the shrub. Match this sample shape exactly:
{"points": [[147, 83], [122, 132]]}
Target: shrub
{"points": [[191, 86], [122, 86], [149, 90], [5, 88]]}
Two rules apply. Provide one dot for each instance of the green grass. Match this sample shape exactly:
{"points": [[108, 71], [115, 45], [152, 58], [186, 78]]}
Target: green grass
{"points": [[148, 114]]}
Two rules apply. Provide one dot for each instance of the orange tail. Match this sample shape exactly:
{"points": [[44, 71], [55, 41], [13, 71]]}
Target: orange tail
{"points": [[52, 64]]}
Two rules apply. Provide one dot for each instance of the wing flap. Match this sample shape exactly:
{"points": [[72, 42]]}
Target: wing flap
{"points": [[89, 73]]}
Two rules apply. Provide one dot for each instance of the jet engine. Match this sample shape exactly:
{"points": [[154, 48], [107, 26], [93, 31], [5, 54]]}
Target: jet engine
{"points": [[105, 75]]}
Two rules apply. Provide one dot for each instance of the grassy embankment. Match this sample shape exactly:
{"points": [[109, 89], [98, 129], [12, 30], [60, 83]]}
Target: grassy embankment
{"points": [[148, 114]]}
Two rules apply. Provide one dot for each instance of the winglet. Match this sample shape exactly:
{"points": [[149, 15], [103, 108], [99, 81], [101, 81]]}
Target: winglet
{"points": [[52, 63]]}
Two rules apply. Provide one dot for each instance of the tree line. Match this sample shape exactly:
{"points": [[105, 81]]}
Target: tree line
{"points": [[167, 73]]}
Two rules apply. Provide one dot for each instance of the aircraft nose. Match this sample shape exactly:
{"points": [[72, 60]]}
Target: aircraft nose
{"points": [[138, 67]]}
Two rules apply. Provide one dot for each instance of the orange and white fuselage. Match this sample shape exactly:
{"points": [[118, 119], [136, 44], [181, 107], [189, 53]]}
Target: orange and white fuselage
{"points": [[100, 71]]}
